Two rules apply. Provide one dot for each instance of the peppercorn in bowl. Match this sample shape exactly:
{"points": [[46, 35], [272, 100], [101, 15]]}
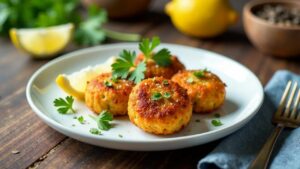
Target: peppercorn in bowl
{"points": [[273, 26]]}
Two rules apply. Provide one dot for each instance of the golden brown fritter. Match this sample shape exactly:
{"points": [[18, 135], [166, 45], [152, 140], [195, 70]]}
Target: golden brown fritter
{"points": [[102, 93], [154, 70], [207, 92], [159, 106]]}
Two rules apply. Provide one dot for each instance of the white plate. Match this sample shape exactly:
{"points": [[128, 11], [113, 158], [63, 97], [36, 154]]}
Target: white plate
{"points": [[243, 99]]}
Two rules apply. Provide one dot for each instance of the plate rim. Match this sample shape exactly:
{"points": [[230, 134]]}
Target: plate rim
{"points": [[215, 133]]}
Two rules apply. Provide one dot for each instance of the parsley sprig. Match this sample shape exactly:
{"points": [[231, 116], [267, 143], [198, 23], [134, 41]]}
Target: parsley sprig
{"points": [[64, 106], [125, 63], [162, 57], [125, 68], [89, 28], [103, 120]]}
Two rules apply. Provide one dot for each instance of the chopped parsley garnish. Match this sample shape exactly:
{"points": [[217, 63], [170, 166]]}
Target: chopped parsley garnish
{"points": [[165, 82], [81, 120], [73, 125], [190, 80], [120, 135], [95, 131], [167, 95], [216, 122], [75, 117], [156, 96], [64, 105], [108, 83], [199, 73], [217, 115], [162, 57], [113, 79], [103, 120], [125, 63]]}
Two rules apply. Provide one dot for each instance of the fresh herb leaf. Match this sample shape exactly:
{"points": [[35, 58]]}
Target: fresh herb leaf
{"points": [[64, 105], [105, 116], [121, 68], [36, 13], [138, 74], [123, 64], [108, 84], [216, 122], [147, 47], [81, 120], [103, 120], [156, 96], [95, 131], [162, 57], [89, 32], [167, 95], [120, 135], [199, 74], [190, 80]]}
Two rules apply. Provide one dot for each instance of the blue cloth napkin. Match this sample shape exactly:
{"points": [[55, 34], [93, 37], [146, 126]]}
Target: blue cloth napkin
{"points": [[239, 149]]}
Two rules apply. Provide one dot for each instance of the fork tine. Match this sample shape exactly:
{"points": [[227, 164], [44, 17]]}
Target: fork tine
{"points": [[290, 100], [296, 103], [282, 100]]}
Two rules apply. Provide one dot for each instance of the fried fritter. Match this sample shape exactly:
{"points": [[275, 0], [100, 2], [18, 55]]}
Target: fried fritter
{"points": [[207, 91], [154, 70], [103, 93], [159, 106]]}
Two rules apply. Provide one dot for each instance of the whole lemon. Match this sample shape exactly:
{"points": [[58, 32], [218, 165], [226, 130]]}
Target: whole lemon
{"points": [[201, 18]]}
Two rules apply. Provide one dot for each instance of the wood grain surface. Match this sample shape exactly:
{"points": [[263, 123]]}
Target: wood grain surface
{"points": [[25, 141]]}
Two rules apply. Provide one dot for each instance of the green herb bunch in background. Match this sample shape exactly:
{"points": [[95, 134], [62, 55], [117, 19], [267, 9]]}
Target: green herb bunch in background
{"points": [[44, 13]]}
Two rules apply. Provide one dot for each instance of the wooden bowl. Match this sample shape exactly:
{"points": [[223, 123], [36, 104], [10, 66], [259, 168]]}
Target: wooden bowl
{"points": [[269, 38]]}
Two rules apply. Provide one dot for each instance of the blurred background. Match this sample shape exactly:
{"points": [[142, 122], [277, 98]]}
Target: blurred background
{"points": [[44, 29]]}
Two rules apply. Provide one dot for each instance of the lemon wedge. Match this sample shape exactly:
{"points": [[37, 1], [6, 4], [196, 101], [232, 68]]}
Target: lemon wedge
{"points": [[74, 84], [42, 42]]}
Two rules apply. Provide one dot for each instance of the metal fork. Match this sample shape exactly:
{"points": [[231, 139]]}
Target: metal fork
{"points": [[285, 116]]}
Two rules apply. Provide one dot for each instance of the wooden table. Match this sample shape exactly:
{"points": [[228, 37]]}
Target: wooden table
{"points": [[25, 141]]}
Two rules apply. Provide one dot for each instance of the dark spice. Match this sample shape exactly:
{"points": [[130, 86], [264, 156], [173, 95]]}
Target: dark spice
{"points": [[279, 14]]}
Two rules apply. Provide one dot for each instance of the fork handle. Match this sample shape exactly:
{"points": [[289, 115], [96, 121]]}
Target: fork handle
{"points": [[262, 158]]}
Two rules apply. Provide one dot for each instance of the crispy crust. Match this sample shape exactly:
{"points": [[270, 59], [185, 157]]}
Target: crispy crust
{"points": [[153, 70], [99, 97], [164, 116], [207, 93]]}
